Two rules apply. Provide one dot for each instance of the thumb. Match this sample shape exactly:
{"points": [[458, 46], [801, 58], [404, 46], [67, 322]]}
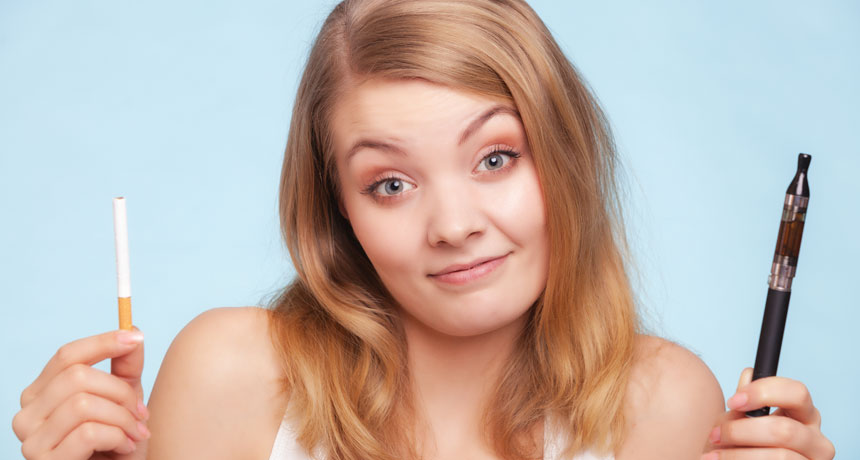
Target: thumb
{"points": [[129, 366], [746, 378], [729, 415]]}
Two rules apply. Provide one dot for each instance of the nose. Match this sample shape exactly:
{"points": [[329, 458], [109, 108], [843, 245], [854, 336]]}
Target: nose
{"points": [[453, 218]]}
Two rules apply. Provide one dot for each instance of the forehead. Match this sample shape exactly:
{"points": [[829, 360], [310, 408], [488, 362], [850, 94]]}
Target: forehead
{"points": [[396, 110]]}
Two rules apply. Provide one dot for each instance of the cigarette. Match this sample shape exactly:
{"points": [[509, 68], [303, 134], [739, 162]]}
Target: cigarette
{"points": [[123, 280]]}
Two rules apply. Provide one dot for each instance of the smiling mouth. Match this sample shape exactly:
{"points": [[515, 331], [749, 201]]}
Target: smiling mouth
{"points": [[474, 266], [467, 266], [463, 274]]}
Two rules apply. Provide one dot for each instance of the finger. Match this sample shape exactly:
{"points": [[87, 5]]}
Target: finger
{"points": [[88, 350], [765, 432], [78, 378], [753, 454], [816, 416], [776, 431], [790, 395], [91, 437], [82, 408], [129, 367]]}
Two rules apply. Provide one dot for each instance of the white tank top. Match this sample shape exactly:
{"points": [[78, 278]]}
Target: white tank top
{"points": [[287, 448]]}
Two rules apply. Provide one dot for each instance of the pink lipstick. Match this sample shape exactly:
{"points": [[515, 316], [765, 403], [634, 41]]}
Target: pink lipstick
{"points": [[465, 273]]}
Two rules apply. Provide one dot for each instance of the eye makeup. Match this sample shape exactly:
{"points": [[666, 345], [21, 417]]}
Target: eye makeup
{"points": [[372, 189]]}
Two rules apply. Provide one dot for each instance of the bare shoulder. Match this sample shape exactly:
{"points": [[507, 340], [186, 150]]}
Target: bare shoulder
{"points": [[218, 393], [673, 402]]}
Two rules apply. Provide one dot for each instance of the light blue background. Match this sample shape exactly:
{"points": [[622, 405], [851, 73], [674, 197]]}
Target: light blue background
{"points": [[183, 108]]}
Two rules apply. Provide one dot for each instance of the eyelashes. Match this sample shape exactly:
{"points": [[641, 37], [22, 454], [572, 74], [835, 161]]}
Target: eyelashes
{"points": [[505, 158]]}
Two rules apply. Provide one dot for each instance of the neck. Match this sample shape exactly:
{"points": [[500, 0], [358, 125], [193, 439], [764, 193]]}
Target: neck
{"points": [[453, 378]]}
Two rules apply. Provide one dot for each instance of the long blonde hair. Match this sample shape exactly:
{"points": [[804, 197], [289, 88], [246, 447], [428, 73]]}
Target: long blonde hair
{"points": [[342, 344]]}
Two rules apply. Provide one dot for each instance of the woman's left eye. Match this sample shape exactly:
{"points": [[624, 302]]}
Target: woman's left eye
{"points": [[497, 159]]}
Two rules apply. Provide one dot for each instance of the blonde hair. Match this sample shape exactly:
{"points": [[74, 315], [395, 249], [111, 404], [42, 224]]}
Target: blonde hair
{"points": [[342, 344]]}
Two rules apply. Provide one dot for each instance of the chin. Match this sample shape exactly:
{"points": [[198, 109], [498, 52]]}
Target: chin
{"points": [[478, 322]]}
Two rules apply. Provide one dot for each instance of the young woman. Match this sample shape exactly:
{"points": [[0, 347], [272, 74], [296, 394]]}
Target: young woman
{"points": [[448, 199]]}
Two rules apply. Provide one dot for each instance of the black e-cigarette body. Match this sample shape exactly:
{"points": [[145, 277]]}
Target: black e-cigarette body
{"points": [[781, 273]]}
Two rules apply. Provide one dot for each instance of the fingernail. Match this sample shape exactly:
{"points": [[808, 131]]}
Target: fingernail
{"points": [[141, 428], [715, 435], [142, 410], [737, 401], [711, 456], [129, 337]]}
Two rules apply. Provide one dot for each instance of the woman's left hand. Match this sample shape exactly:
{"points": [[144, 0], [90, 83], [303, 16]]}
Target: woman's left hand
{"points": [[791, 432]]}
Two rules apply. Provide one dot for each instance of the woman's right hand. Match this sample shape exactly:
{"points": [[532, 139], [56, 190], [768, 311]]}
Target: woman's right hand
{"points": [[75, 412]]}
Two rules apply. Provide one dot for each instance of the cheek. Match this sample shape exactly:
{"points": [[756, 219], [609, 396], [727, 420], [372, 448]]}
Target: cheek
{"points": [[385, 238], [518, 210], [532, 231], [521, 217]]}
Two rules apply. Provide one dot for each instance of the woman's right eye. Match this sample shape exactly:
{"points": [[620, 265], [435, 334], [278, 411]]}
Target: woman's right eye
{"points": [[390, 187]]}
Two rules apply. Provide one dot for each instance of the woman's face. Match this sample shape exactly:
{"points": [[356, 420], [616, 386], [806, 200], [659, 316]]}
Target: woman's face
{"points": [[452, 220]]}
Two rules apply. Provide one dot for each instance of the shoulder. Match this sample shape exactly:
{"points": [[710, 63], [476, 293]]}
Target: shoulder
{"points": [[673, 402], [218, 393]]}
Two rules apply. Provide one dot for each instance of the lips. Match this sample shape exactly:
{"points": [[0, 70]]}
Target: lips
{"points": [[460, 267]]}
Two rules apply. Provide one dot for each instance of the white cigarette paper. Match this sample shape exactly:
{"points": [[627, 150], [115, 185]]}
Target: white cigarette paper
{"points": [[120, 229]]}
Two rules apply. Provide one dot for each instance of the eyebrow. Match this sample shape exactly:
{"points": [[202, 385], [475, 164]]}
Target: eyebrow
{"points": [[470, 130]]}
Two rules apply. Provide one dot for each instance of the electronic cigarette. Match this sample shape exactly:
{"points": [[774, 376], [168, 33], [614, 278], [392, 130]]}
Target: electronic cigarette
{"points": [[781, 273]]}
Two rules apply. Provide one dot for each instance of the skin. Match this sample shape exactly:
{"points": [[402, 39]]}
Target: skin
{"points": [[220, 379]]}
